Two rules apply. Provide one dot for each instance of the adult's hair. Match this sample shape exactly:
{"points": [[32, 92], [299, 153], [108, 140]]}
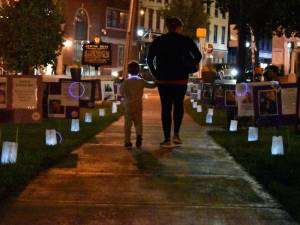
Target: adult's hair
{"points": [[133, 67], [173, 23]]}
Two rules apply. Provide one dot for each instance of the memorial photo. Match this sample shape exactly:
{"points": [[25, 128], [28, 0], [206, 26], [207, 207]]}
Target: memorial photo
{"points": [[268, 103], [55, 108], [107, 90], [219, 91], [207, 91], [230, 98]]}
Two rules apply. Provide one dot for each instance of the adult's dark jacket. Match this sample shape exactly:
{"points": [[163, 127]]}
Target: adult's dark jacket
{"points": [[166, 53]]}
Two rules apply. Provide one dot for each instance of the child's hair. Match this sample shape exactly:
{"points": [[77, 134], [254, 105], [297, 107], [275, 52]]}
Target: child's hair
{"points": [[172, 23], [133, 67]]}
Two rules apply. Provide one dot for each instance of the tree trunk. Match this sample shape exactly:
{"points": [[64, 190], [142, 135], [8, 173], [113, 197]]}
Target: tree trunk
{"points": [[257, 39], [241, 48], [242, 52], [28, 70]]}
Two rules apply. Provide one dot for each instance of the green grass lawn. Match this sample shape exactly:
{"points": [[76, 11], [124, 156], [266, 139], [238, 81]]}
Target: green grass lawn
{"points": [[34, 156], [280, 175]]}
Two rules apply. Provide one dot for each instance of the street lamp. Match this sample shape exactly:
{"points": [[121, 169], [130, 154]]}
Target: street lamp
{"points": [[68, 43], [142, 12], [201, 34], [140, 32]]}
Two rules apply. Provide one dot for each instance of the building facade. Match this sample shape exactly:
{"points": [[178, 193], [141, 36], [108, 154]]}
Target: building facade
{"points": [[217, 33], [85, 19], [150, 18], [286, 54]]}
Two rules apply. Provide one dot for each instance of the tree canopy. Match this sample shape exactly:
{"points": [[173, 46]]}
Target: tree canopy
{"points": [[31, 33], [265, 17], [191, 12]]}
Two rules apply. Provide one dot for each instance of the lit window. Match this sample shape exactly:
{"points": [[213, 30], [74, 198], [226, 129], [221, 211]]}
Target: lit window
{"points": [[208, 8], [216, 10], [121, 55], [215, 34], [208, 33], [116, 19], [223, 35]]}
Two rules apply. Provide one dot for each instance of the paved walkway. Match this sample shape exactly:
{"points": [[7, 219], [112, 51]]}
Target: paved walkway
{"points": [[102, 183]]}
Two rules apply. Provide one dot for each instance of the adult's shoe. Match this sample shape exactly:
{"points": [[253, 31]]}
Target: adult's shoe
{"points": [[128, 145], [177, 140], [139, 140]]}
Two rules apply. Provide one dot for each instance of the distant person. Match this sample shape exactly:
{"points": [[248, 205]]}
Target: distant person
{"points": [[258, 72], [132, 89], [171, 58], [271, 73]]}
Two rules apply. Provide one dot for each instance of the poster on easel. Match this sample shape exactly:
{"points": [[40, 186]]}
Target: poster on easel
{"points": [[3, 92]]}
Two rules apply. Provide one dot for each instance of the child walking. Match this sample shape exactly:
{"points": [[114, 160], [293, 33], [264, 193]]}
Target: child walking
{"points": [[132, 89]]}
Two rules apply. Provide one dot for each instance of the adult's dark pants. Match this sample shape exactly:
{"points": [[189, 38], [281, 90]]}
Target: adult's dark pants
{"points": [[171, 98]]}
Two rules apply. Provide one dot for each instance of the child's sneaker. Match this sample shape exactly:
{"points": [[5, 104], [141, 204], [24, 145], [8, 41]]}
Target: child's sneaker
{"points": [[128, 145], [138, 143]]}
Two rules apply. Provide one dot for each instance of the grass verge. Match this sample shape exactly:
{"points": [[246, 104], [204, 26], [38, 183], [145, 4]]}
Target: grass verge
{"points": [[278, 174], [34, 156]]}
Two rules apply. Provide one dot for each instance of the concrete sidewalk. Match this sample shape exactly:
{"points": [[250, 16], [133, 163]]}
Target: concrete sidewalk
{"points": [[102, 183]]}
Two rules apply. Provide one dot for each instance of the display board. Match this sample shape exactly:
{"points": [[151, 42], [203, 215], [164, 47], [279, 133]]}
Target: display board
{"points": [[275, 105], [224, 95], [65, 97], [21, 99]]}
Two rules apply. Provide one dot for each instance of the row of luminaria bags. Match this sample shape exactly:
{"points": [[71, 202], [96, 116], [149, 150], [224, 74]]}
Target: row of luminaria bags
{"points": [[253, 135], [52, 136]]}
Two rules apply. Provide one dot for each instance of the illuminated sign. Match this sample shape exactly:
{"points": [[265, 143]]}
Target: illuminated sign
{"points": [[96, 54]]}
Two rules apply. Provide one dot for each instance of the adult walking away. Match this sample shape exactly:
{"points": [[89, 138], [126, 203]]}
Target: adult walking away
{"points": [[171, 58]]}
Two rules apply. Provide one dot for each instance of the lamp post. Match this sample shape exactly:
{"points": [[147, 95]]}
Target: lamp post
{"points": [[201, 34], [129, 34]]}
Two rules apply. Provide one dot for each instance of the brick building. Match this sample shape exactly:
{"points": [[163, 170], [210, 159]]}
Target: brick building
{"points": [[84, 19]]}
